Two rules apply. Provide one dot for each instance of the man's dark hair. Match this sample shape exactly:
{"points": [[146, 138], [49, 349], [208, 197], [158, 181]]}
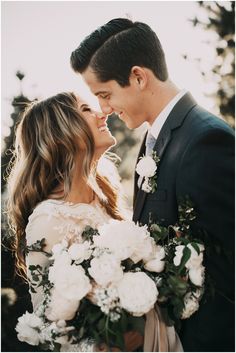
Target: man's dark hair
{"points": [[114, 48]]}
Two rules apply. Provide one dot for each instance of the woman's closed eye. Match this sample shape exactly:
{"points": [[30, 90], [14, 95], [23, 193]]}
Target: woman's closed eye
{"points": [[85, 108]]}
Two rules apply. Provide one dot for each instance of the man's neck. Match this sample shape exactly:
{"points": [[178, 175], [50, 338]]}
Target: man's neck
{"points": [[161, 94]]}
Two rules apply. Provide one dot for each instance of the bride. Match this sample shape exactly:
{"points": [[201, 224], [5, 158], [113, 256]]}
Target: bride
{"points": [[55, 184]]}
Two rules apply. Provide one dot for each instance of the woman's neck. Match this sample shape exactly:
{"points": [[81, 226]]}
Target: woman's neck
{"points": [[80, 191]]}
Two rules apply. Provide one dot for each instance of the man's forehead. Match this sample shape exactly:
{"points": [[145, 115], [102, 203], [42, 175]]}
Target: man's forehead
{"points": [[95, 85]]}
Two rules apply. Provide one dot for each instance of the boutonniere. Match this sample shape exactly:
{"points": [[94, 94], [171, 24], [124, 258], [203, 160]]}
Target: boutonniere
{"points": [[146, 168]]}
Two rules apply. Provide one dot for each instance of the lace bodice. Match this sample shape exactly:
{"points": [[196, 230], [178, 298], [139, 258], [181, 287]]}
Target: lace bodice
{"points": [[56, 220]]}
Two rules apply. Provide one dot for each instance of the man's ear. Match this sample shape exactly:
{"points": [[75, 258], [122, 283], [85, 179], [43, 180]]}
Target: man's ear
{"points": [[139, 76]]}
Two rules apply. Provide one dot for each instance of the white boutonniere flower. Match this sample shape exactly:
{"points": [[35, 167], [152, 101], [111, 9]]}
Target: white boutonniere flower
{"points": [[146, 168]]}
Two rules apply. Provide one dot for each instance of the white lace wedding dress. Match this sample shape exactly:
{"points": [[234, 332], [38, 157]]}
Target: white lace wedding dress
{"points": [[56, 220]]}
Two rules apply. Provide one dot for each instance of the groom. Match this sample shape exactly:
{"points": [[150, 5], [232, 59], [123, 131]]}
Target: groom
{"points": [[124, 65]]}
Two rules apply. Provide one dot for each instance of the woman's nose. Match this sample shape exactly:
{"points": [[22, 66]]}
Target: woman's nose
{"points": [[101, 116]]}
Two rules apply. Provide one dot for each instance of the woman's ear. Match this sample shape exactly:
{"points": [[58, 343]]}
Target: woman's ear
{"points": [[139, 76]]}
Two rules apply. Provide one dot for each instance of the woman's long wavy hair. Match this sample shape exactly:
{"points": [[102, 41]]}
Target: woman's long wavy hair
{"points": [[48, 137]]}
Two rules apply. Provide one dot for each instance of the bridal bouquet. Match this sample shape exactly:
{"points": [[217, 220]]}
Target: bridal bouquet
{"points": [[98, 289]]}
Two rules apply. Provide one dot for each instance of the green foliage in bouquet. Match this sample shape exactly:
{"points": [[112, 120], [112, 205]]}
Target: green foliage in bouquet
{"points": [[181, 281]]}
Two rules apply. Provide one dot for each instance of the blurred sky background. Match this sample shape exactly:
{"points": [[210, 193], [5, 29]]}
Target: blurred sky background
{"points": [[39, 36]]}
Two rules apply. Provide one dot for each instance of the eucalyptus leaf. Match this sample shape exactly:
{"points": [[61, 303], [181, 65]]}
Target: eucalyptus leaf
{"points": [[186, 256]]}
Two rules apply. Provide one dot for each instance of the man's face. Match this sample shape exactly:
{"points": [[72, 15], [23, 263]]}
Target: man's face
{"points": [[127, 101]]}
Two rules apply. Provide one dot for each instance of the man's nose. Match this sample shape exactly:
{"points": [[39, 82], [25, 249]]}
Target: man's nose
{"points": [[105, 107]]}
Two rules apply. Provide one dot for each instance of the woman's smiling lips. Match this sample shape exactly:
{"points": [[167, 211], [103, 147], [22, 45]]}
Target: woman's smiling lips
{"points": [[103, 128]]}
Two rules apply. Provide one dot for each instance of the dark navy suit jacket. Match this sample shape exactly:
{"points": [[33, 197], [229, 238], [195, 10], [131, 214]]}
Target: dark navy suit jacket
{"points": [[196, 151]]}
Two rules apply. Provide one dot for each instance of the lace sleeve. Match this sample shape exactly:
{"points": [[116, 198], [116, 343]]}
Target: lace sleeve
{"points": [[56, 222], [41, 226]]}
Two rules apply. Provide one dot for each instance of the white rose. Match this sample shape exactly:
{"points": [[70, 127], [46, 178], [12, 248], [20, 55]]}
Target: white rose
{"points": [[178, 254], [146, 167], [73, 284], [197, 275], [105, 269], [137, 293], [191, 302], [156, 264], [121, 237], [61, 308], [195, 259], [28, 328], [80, 252]]}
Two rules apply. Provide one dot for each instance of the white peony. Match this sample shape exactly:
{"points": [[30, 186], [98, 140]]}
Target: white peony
{"points": [[197, 275], [156, 264], [105, 269], [146, 167], [61, 261], [48, 332], [121, 237], [137, 293], [28, 328], [145, 249], [80, 252], [191, 301], [61, 308], [74, 284], [58, 249]]}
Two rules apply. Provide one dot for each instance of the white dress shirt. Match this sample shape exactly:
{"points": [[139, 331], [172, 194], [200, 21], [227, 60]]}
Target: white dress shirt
{"points": [[156, 127]]}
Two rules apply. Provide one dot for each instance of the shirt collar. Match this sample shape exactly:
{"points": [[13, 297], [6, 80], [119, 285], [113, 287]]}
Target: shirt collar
{"points": [[161, 118]]}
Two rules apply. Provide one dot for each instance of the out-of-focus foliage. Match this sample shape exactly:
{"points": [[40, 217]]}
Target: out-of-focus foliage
{"points": [[15, 295], [127, 147], [18, 104], [220, 19]]}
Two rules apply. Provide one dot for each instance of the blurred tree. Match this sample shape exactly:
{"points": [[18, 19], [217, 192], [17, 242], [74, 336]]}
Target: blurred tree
{"points": [[220, 19], [126, 141], [127, 147], [13, 286], [18, 104]]}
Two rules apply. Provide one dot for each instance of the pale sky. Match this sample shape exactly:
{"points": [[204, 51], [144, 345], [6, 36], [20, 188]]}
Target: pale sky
{"points": [[39, 36]]}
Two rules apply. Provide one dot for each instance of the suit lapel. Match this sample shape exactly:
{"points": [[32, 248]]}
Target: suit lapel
{"points": [[174, 120], [136, 176]]}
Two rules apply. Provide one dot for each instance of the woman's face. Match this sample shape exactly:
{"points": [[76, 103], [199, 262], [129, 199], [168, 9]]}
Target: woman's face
{"points": [[97, 122]]}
